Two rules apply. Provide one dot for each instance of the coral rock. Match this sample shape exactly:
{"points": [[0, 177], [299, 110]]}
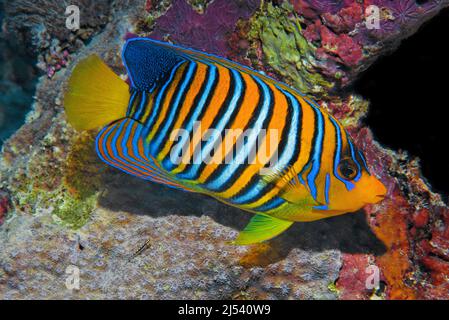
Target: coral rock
{"points": [[208, 31]]}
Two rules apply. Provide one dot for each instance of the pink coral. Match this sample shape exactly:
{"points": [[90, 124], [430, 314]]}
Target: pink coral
{"points": [[4, 206], [343, 46], [313, 8], [353, 278], [346, 19], [55, 61], [148, 5]]}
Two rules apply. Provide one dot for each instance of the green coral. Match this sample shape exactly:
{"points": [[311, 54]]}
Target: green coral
{"points": [[156, 11], [332, 287], [83, 171], [63, 181], [65, 208], [285, 49], [199, 5], [74, 213], [82, 179]]}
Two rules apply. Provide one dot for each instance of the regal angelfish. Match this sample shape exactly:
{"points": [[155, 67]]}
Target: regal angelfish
{"points": [[311, 171]]}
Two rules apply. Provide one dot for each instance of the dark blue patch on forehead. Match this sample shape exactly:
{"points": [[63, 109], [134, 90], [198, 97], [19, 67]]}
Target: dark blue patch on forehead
{"points": [[147, 62]]}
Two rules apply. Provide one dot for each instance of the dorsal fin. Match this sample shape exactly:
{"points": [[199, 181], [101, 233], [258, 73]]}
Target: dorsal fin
{"points": [[147, 62]]}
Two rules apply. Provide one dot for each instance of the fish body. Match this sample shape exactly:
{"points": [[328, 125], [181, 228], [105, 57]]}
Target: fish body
{"points": [[201, 123]]}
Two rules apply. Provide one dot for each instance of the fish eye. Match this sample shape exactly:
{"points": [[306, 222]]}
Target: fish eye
{"points": [[347, 169]]}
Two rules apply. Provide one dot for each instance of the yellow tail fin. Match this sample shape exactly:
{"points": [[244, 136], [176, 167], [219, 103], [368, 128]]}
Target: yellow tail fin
{"points": [[95, 96]]}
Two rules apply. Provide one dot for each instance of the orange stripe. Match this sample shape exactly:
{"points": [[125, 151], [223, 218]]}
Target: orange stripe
{"points": [[167, 101], [187, 105], [307, 131], [162, 175], [230, 64], [276, 123], [243, 117], [111, 157], [211, 111], [120, 151], [151, 97], [122, 165], [151, 170]]}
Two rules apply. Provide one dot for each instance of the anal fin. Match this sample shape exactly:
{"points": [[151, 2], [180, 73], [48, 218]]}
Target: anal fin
{"points": [[261, 228]]}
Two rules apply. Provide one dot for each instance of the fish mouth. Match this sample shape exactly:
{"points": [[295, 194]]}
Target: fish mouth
{"points": [[378, 198]]}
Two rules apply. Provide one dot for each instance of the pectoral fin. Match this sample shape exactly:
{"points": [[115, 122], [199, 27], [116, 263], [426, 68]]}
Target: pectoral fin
{"points": [[290, 187], [261, 228], [297, 194]]}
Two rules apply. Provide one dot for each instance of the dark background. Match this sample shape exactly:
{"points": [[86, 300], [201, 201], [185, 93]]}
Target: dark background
{"points": [[409, 92]]}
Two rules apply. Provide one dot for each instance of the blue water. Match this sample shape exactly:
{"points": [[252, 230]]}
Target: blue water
{"points": [[18, 76]]}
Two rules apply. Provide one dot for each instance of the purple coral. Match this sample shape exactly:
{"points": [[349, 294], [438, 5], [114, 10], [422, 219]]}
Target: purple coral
{"points": [[403, 11], [55, 61], [209, 31], [314, 8], [402, 17]]}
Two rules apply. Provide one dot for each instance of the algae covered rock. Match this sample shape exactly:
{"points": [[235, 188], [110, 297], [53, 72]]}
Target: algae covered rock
{"points": [[62, 209]]}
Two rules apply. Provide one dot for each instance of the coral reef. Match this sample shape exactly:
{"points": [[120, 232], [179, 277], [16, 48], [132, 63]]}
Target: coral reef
{"points": [[4, 206], [46, 32], [278, 31], [345, 41], [218, 22], [60, 206], [411, 222]]}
